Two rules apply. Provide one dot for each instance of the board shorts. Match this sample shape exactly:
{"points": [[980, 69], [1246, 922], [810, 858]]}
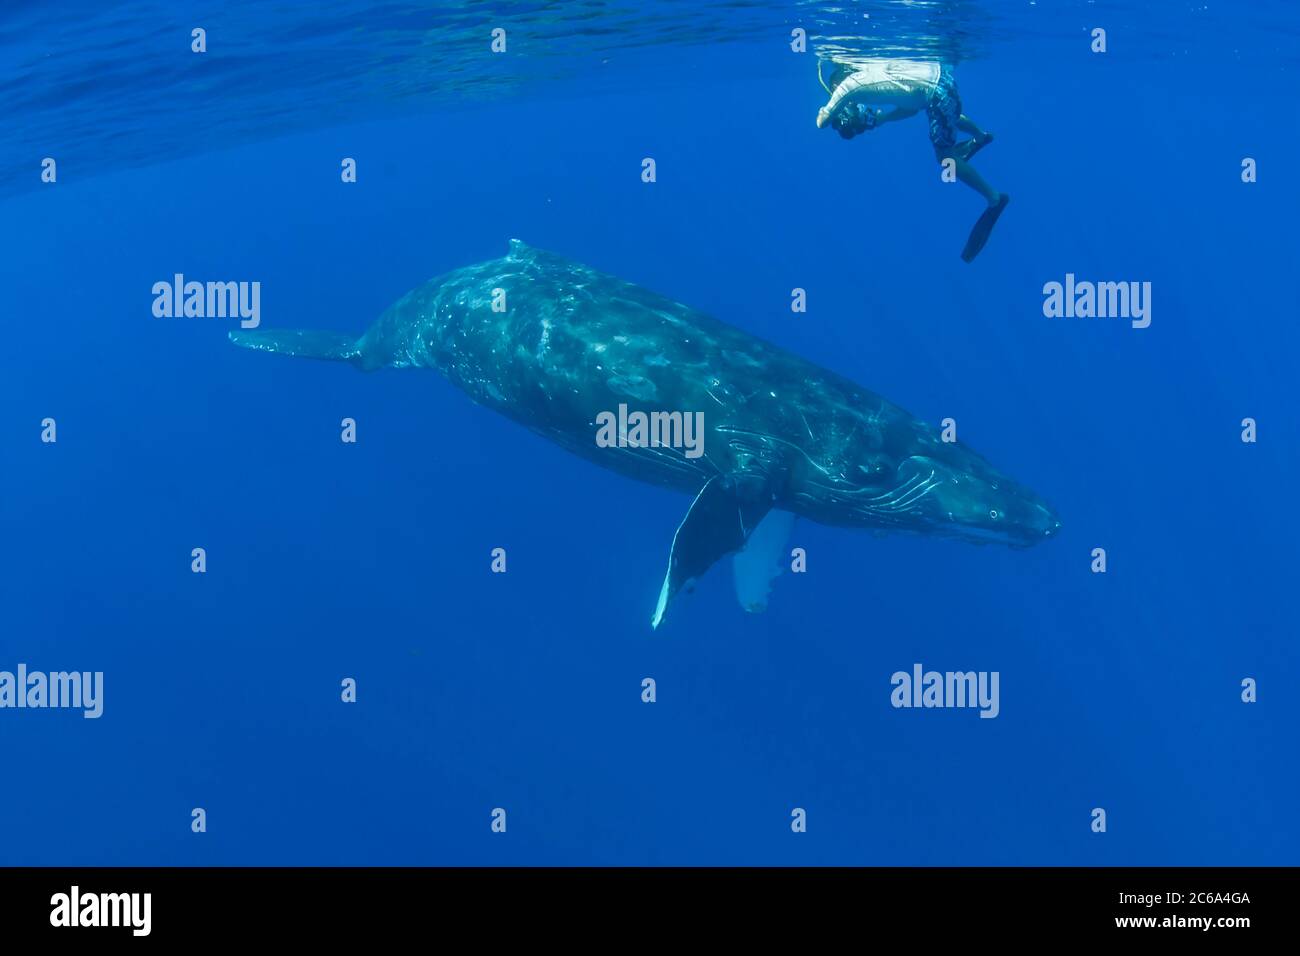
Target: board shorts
{"points": [[943, 109]]}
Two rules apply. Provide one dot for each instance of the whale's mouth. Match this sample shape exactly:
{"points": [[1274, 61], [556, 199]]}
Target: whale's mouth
{"points": [[977, 535]]}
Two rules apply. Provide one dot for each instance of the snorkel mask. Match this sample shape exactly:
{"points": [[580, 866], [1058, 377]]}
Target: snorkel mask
{"points": [[851, 119]]}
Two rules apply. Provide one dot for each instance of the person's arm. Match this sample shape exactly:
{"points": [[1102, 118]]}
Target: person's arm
{"points": [[851, 88], [897, 113]]}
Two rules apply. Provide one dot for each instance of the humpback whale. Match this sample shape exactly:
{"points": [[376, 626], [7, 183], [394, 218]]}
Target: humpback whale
{"points": [[559, 347]]}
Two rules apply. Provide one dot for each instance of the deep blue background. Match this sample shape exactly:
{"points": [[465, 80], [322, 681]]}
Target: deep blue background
{"points": [[523, 690]]}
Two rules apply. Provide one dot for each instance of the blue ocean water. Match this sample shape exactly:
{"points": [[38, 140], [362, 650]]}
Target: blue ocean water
{"points": [[522, 691]]}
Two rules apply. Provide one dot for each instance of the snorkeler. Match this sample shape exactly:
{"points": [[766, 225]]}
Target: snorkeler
{"points": [[908, 86]]}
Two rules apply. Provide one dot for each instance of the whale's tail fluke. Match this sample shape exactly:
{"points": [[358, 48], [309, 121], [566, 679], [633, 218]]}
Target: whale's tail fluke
{"points": [[304, 343]]}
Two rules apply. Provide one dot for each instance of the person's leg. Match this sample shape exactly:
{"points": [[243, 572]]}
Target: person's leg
{"points": [[967, 125], [968, 174], [946, 118], [979, 138], [965, 149]]}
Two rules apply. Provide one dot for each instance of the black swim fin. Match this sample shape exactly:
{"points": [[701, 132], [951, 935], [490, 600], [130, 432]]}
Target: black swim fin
{"points": [[979, 233]]}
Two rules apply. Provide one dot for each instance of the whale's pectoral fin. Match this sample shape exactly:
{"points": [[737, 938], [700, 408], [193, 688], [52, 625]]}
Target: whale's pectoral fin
{"points": [[305, 343], [718, 523], [762, 560]]}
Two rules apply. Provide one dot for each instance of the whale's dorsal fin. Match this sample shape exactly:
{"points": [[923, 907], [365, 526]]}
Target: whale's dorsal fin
{"points": [[719, 522]]}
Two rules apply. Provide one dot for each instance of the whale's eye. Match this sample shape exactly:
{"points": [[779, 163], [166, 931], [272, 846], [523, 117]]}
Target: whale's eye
{"points": [[993, 514]]}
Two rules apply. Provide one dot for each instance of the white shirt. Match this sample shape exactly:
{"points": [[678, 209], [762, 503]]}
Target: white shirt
{"points": [[901, 83]]}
